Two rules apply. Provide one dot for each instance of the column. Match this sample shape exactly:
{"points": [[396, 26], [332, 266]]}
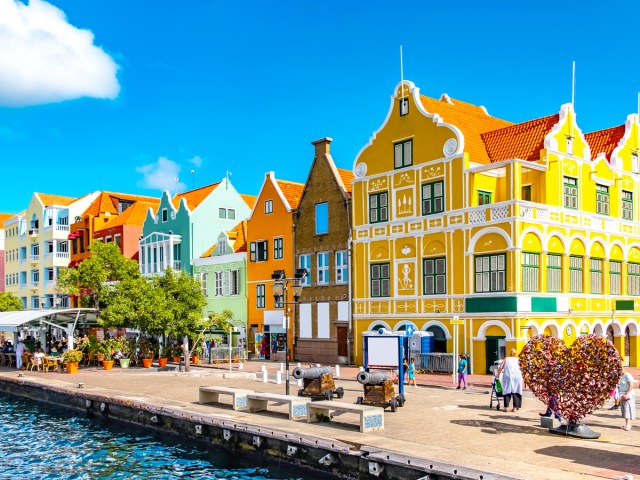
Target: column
{"points": [[618, 342], [170, 250], [634, 354]]}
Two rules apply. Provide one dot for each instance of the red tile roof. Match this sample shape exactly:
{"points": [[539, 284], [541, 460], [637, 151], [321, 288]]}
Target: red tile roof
{"points": [[194, 197], [108, 202], [134, 215], [522, 140], [470, 119], [604, 141], [347, 177], [292, 191]]}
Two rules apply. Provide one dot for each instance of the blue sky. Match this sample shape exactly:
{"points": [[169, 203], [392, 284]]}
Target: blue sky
{"points": [[165, 87]]}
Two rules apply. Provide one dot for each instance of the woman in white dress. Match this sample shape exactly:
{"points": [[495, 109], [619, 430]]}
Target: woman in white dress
{"points": [[511, 380], [626, 389]]}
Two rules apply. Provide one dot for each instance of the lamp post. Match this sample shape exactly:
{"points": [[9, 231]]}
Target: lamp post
{"points": [[280, 289], [231, 330]]}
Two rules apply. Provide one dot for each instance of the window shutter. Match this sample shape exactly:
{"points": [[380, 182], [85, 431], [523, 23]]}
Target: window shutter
{"points": [[225, 283], [252, 252]]}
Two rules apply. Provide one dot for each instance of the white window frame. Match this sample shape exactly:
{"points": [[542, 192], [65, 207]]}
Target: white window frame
{"points": [[342, 267], [322, 264], [304, 261], [218, 286], [268, 207]]}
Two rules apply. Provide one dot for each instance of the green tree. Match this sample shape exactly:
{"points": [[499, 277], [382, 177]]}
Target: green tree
{"points": [[98, 273], [9, 302]]}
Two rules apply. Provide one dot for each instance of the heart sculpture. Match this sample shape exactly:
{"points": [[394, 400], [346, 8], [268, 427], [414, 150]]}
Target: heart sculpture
{"points": [[572, 381]]}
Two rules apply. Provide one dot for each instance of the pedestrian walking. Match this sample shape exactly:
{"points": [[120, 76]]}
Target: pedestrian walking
{"points": [[411, 370], [626, 390], [463, 367], [511, 381]]}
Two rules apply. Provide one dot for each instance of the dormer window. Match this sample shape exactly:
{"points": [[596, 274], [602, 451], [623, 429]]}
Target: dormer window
{"points": [[164, 215], [222, 250], [569, 145], [404, 106]]}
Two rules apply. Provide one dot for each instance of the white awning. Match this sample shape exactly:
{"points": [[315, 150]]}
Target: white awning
{"points": [[12, 321]]}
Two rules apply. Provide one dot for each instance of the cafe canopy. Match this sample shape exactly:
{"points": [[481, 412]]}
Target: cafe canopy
{"points": [[68, 319]]}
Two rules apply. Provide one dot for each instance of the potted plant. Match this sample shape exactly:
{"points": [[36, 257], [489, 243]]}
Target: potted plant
{"points": [[125, 347], [145, 350], [176, 352], [165, 352], [108, 349], [196, 353], [71, 358]]}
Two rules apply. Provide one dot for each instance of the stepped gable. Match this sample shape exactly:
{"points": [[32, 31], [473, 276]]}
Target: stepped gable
{"points": [[134, 215], [49, 200], [604, 141], [292, 192], [194, 197], [347, 177], [521, 140], [472, 121], [105, 202]]}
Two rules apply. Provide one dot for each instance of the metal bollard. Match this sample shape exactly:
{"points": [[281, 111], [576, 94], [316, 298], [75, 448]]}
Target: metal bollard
{"points": [[337, 371], [265, 376], [281, 367], [279, 378]]}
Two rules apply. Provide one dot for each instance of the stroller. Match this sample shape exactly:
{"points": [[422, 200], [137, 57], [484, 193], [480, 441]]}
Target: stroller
{"points": [[496, 393]]}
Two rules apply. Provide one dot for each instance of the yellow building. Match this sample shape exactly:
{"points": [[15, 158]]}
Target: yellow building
{"points": [[514, 229]]}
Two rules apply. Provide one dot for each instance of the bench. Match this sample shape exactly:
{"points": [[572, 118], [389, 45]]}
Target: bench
{"points": [[297, 406], [212, 395], [371, 418]]}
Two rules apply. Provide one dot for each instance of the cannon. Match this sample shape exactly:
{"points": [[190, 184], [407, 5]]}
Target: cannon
{"points": [[318, 383], [379, 391]]}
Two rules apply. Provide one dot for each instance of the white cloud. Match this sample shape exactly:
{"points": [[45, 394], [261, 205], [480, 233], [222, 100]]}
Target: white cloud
{"points": [[44, 59], [161, 175], [197, 161]]}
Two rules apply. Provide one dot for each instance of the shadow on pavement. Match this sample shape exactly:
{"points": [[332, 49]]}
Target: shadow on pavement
{"points": [[495, 428], [622, 462]]}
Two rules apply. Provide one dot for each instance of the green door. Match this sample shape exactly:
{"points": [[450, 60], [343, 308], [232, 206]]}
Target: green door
{"points": [[494, 350]]}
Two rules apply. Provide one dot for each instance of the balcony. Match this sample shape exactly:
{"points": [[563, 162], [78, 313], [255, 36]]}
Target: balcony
{"points": [[176, 264], [34, 285], [62, 228], [64, 255], [34, 258], [33, 232]]}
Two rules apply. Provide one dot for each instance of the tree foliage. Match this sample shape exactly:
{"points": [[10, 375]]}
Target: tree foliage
{"points": [[96, 274], [9, 302]]}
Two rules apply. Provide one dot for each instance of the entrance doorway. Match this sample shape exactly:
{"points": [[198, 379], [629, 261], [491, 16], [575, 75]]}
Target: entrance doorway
{"points": [[439, 339], [341, 333], [496, 349]]}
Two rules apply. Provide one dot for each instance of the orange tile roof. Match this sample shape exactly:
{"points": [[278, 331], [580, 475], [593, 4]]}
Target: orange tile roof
{"points": [[470, 119], [347, 177], [522, 140], [134, 215], [4, 217], [49, 200], [106, 202], [292, 191], [239, 237], [604, 141], [250, 200], [194, 197]]}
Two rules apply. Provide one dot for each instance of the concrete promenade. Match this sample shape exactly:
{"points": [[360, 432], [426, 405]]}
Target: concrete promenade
{"points": [[437, 423]]}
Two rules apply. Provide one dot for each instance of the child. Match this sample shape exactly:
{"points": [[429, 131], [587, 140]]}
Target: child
{"points": [[412, 372]]}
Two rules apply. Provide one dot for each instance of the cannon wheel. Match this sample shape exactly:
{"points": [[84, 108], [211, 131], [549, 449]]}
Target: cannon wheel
{"points": [[339, 392], [401, 400], [328, 394], [359, 400], [301, 392], [393, 403]]}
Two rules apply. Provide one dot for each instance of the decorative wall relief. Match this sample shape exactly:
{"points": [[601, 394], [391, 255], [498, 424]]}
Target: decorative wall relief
{"points": [[406, 278], [570, 167], [433, 171], [378, 184], [404, 178], [404, 202]]}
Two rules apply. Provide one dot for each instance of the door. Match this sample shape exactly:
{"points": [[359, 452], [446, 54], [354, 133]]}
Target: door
{"points": [[341, 333], [495, 350]]}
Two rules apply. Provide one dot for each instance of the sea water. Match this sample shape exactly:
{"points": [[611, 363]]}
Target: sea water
{"points": [[40, 442]]}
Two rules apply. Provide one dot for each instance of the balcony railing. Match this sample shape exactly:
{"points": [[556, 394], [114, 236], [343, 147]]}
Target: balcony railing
{"points": [[34, 258], [63, 255], [63, 228], [35, 284], [176, 264]]}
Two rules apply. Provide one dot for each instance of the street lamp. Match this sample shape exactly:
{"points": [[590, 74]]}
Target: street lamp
{"points": [[280, 288]]}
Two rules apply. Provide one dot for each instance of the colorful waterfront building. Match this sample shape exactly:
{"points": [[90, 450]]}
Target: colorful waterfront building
{"points": [[322, 233], [510, 229], [3, 217], [111, 217], [270, 235], [183, 227], [39, 246], [222, 269]]}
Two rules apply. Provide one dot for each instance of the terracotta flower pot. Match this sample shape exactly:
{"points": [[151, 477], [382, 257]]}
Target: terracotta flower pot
{"points": [[195, 360], [146, 362], [72, 367], [107, 364], [176, 359], [162, 362]]}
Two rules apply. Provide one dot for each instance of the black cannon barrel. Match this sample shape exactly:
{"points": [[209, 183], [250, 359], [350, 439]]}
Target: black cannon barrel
{"points": [[373, 378], [314, 372]]}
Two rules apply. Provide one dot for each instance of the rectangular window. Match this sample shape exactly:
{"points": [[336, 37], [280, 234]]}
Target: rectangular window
{"points": [[554, 273], [260, 295], [633, 278], [627, 205], [164, 215], [490, 273], [322, 218], [35, 276], [378, 207], [108, 239], [81, 241], [342, 267], [74, 245], [204, 278], [530, 271], [322, 260], [402, 153], [602, 199], [434, 276], [575, 274], [268, 206], [278, 248], [484, 198], [258, 251], [404, 106], [222, 213], [615, 272], [380, 280], [570, 192], [569, 145], [432, 198], [117, 239], [234, 282], [222, 247], [635, 165], [595, 274], [218, 284], [526, 193], [231, 214], [305, 262]]}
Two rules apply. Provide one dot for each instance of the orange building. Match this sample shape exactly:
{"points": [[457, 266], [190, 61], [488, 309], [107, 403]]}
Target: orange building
{"points": [[270, 235], [111, 217]]}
